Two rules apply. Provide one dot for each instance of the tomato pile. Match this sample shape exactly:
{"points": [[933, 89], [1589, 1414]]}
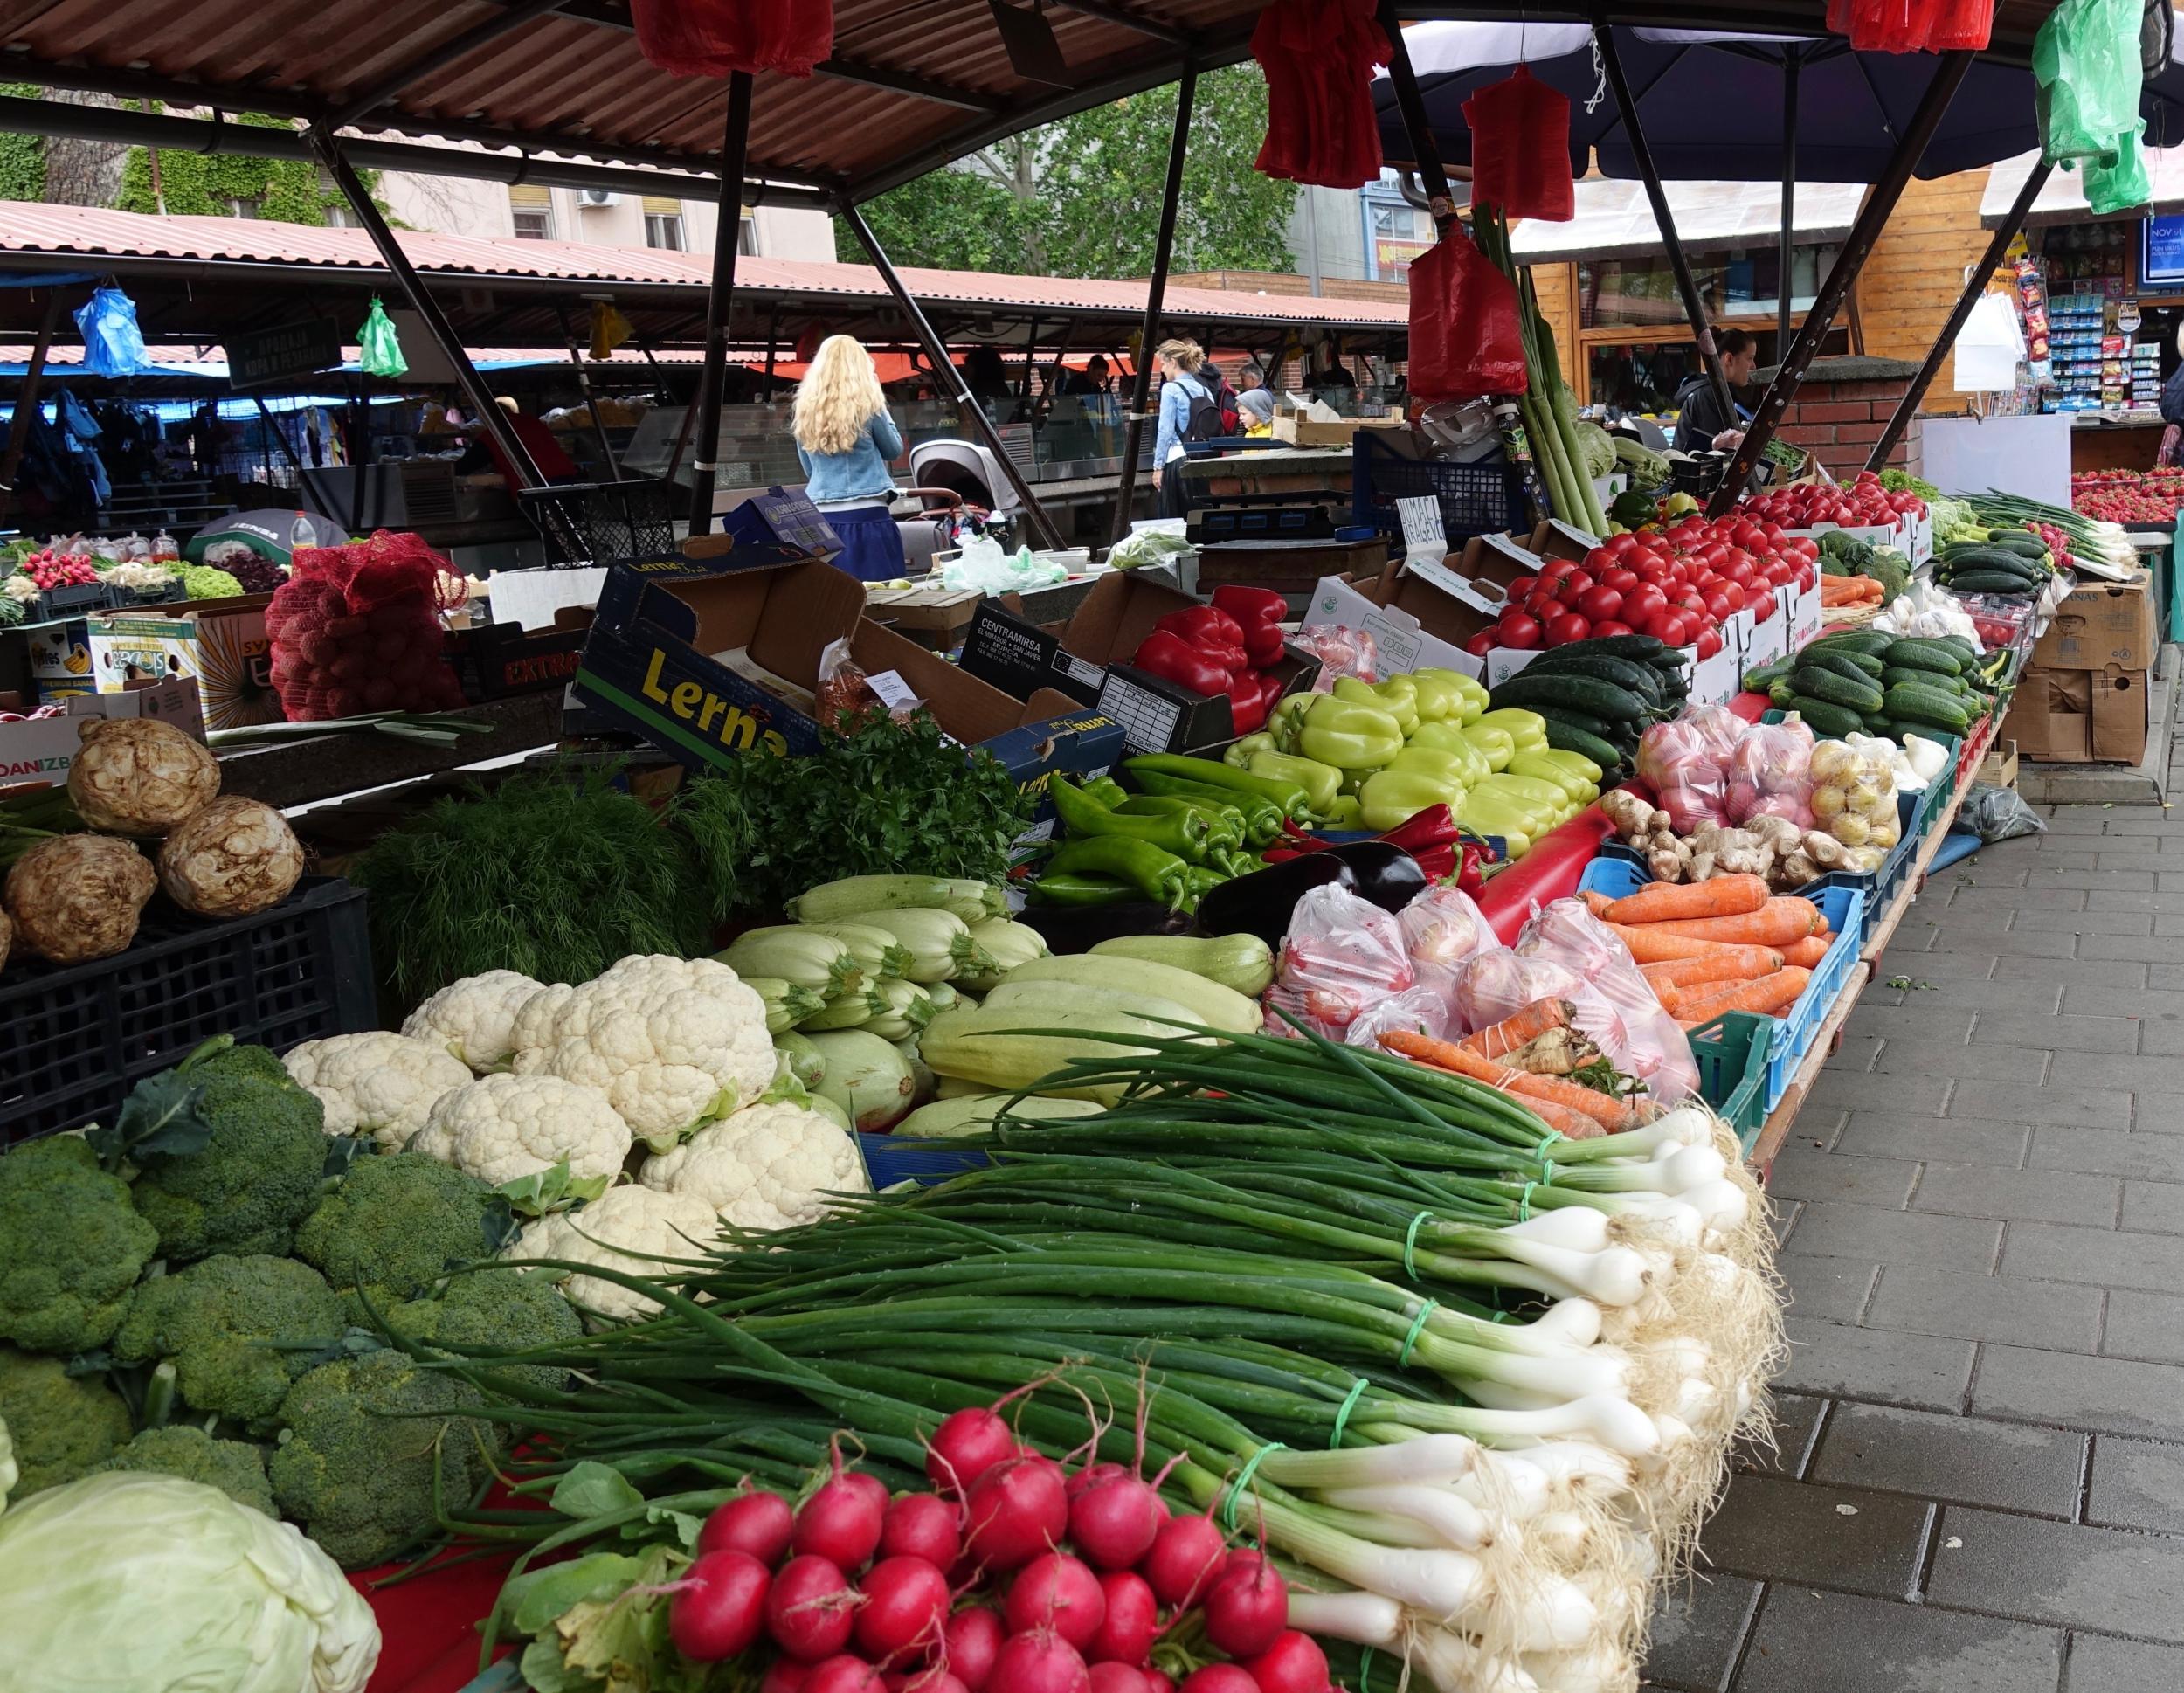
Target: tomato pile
{"points": [[2129, 496], [50, 570], [1677, 584], [1854, 505], [1013, 1576]]}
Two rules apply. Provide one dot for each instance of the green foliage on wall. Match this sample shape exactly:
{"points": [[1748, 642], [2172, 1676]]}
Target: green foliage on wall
{"points": [[195, 184], [22, 157]]}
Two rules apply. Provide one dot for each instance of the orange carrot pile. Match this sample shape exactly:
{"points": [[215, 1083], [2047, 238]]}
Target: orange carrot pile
{"points": [[1770, 996], [1610, 1114], [1808, 951], [1663, 901], [1717, 963], [1526, 1026], [1851, 590], [1721, 945]]}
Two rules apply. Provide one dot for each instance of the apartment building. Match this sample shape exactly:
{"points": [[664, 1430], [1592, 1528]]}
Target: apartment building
{"points": [[448, 205]]}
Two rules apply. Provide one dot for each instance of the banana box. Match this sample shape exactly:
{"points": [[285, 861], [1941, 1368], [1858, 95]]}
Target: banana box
{"points": [[220, 644]]}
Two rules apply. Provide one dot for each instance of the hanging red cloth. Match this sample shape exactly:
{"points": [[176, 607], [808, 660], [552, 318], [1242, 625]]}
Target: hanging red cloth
{"points": [[1466, 338], [1319, 57], [1520, 148], [1912, 26], [712, 37]]}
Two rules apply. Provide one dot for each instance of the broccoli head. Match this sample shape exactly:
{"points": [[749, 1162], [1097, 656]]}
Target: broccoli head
{"points": [[234, 1467], [395, 1226], [365, 1438], [61, 1424], [258, 1174], [70, 1246], [220, 1322], [504, 1310]]}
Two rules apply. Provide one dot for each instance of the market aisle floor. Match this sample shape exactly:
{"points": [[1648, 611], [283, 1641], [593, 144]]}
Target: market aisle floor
{"points": [[1980, 1488]]}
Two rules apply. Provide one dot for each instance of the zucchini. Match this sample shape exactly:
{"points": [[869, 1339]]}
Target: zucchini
{"points": [[1854, 667], [973, 1114], [1586, 693], [1213, 1005], [1908, 702], [1815, 683], [1565, 737], [1826, 717], [1242, 963], [1910, 653]]}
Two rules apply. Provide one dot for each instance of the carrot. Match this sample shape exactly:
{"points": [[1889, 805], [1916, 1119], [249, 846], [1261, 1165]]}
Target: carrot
{"points": [[1770, 996], [1512, 1031], [1808, 951], [1782, 920], [1721, 896], [1572, 1125], [1727, 964], [1596, 903], [1447, 1055], [1657, 943]]}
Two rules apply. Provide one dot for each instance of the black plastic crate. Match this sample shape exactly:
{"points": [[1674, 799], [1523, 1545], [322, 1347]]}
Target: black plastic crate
{"points": [[597, 523], [1487, 497], [74, 1039]]}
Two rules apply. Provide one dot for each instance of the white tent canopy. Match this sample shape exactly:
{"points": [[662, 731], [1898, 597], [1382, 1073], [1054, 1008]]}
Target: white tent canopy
{"points": [[1614, 219], [2062, 197]]}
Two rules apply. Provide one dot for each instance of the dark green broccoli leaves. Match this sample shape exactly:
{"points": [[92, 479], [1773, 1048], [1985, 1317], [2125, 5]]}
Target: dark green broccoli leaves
{"points": [[239, 1330], [70, 1246]]}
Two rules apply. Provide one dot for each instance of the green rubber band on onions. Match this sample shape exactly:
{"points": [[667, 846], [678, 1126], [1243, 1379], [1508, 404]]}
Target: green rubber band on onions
{"points": [[1243, 1481], [1410, 1245], [1546, 1142], [1403, 1359], [1523, 1202], [1342, 1417]]}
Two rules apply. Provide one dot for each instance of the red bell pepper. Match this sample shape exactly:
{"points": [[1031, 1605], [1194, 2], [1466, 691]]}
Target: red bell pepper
{"points": [[1250, 605], [1167, 655], [1247, 704], [1203, 625]]}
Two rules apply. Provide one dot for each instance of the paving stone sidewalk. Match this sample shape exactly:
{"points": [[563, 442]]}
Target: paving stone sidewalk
{"points": [[1980, 1486]]}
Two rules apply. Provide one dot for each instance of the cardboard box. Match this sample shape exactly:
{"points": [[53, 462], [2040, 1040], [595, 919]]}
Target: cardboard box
{"points": [[1998, 767], [1291, 425], [499, 660], [220, 642], [38, 752], [1555, 539], [1804, 615], [2100, 625], [1401, 645], [2080, 716], [1917, 543]]}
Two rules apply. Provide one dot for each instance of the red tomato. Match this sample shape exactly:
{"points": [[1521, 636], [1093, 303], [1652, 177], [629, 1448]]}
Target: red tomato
{"points": [[1601, 630], [1571, 588], [1570, 626], [1600, 558], [1713, 555], [1517, 629], [1642, 602], [1733, 593], [1601, 603], [1620, 580], [1480, 644], [1764, 605], [1520, 587], [1690, 600], [1667, 627], [1709, 643], [1555, 567], [1717, 606], [1623, 545]]}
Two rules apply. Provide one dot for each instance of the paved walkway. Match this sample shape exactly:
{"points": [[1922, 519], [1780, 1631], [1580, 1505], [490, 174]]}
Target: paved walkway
{"points": [[1980, 1488]]}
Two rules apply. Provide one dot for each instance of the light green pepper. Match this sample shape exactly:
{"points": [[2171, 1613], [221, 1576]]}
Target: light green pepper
{"points": [[1393, 798], [1239, 752], [1348, 735], [1398, 703], [1441, 766], [1468, 689], [1345, 813], [1287, 719], [1439, 699], [1320, 782], [1456, 744]]}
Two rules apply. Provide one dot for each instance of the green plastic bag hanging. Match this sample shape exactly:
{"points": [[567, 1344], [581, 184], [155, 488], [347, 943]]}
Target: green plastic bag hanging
{"points": [[382, 348], [2085, 60], [2117, 181]]}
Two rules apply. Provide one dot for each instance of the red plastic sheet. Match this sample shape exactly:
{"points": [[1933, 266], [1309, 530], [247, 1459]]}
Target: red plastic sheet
{"points": [[712, 37], [1912, 26], [1548, 872], [1319, 56], [428, 1625], [1466, 338], [1520, 148]]}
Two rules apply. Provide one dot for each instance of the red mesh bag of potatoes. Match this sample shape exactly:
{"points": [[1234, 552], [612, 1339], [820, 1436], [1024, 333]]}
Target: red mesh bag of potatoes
{"points": [[357, 629]]}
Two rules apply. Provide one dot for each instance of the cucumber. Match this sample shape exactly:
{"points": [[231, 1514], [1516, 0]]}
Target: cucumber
{"points": [[1636, 648], [1782, 694], [1854, 667], [1586, 694], [1990, 581], [1564, 738], [1908, 702], [1826, 717], [2021, 542], [1815, 683], [1756, 679], [1585, 722], [1624, 673], [1874, 641], [1909, 653]]}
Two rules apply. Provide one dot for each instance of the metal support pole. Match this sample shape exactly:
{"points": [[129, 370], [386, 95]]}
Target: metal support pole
{"points": [[590, 397], [26, 403], [1873, 217], [490, 416], [1031, 360], [1440, 205], [272, 429], [773, 344], [1694, 307], [1907, 408], [1156, 293], [944, 370], [713, 373], [1787, 262]]}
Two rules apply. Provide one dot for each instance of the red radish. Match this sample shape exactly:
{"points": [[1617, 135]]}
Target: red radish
{"points": [[1091, 1475], [1185, 1555], [811, 1608], [971, 1642], [1016, 1509], [1219, 1678], [722, 1607], [1113, 1521], [1292, 1664], [758, 1523], [1118, 1678], [841, 1521], [843, 1674], [1132, 1622], [1061, 1592], [921, 1525], [906, 1602], [1041, 1661], [965, 1445], [1157, 1683], [1247, 1608], [787, 1675], [935, 1680]]}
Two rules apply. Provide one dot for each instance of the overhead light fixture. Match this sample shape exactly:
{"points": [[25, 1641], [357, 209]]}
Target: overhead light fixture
{"points": [[1029, 40]]}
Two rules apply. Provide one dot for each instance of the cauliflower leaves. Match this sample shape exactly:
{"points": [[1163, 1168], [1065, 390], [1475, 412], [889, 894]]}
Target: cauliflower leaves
{"points": [[376, 1085], [769, 1166]]}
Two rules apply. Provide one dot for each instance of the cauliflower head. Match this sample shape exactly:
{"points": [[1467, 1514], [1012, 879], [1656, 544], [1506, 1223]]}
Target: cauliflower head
{"points": [[70, 1246], [234, 1467], [248, 1187], [225, 1322], [504, 1127], [395, 1226], [769, 1166], [674, 1043], [474, 1018], [60, 1424], [626, 1229], [376, 1085]]}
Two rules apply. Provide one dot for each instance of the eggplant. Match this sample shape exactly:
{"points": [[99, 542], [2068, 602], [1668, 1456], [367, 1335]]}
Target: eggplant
{"points": [[1384, 873], [1261, 904], [1081, 927]]}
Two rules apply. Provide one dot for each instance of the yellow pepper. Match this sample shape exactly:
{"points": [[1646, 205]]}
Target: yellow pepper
{"points": [[1528, 730], [1392, 798], [1348, 734]]}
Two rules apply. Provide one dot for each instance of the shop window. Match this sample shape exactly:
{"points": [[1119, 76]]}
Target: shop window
{"points": [[243, 206], [1643, 376], [1736, 286], [664, 230]]}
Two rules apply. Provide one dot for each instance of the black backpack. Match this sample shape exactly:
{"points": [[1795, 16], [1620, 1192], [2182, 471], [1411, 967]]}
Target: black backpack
{"points": [[1203, 423]]}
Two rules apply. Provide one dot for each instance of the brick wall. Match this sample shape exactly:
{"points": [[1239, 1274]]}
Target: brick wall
{"points": [[1841, 409]]}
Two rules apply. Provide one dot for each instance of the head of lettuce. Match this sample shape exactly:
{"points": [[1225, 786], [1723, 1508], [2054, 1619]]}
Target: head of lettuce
{"points": [[161, 1586]]}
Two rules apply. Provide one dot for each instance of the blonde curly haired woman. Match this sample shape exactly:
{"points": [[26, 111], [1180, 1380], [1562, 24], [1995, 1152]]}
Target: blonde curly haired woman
{"points": [[845, 440]]}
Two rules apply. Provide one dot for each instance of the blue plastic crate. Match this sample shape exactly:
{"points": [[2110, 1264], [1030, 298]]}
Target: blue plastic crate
{"points": [[888, 1160], [1475, 499], [1844, 908]]}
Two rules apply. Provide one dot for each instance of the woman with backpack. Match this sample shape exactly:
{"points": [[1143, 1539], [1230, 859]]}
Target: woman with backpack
{"points": [[1188, 412], [846, 440]]}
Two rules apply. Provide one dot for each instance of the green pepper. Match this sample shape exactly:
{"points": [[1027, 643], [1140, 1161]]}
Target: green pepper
{"points": [[1107, 791], [1210, 773], [1320, 781], [1232, 861], [1224, 823], [1154, 875], [1345, 813], [1440, 700], [1288, 717], [1183, 833], [1054, 888], [1198, 881], [1241, 751], [1263, 817], [1396, 696], [1348, 735], [1392, 798], [1431, 762]]}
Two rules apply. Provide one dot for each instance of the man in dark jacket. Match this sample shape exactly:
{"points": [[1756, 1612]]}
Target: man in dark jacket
{"points": [[1700, 423]]}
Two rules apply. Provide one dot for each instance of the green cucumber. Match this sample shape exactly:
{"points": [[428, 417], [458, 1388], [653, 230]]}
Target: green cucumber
{"points": [[1826, 717], [1758, 680], [1815, 683], [1990, 581], [1854, 667], [1564, 738], [1909, 653], [1638, 678], [1908, 702], [1874, 641], [1586, 694], [1585, 722]]}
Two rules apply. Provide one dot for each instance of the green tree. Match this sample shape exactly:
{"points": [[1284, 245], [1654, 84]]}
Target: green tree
{"points": [[1082, 197], [22, 157], [196, 184]]}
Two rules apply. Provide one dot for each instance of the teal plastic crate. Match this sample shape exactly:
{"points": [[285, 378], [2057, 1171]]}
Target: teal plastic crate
{"points": [[1731, 1055]]}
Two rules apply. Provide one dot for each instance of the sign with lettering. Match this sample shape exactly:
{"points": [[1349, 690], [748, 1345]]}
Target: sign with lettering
{"points": [[256, 358]]}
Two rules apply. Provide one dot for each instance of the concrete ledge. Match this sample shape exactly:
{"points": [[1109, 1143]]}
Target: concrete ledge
{"points": [[2145, 784]]}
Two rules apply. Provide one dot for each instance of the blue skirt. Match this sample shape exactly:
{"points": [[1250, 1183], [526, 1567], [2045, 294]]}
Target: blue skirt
{"points": [[872, 545]]}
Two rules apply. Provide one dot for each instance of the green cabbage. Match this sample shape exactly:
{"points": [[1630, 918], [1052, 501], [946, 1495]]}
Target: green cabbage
{"points": [[161, 1586]]}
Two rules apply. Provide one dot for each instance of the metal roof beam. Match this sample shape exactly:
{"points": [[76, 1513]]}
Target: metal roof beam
{"points": [[1108, 11], [452, 50]]}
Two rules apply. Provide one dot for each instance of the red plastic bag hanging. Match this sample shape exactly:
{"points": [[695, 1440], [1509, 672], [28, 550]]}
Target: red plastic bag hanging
{"points": [[1912, 26], [711, 38], [1520, 148], [357, 628], [1466, 339], [1319, 57]]}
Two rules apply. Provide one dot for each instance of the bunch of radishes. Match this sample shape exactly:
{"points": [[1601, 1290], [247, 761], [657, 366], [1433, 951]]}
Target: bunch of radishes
{"points": [[1013, 1576], [50, 570]]}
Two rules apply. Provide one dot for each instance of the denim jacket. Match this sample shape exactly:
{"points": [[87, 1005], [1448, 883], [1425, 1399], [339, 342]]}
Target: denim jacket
{"points": [[1176, 395], [860, 473]]}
